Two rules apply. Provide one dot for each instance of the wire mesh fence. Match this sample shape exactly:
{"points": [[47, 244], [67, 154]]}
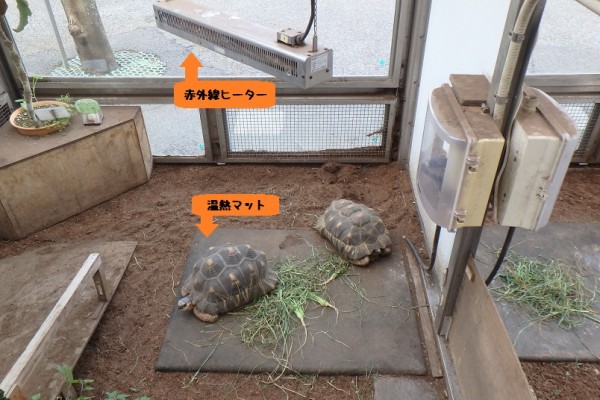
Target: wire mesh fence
{"points": [[585, 115], [307, 131], [5, 110]]}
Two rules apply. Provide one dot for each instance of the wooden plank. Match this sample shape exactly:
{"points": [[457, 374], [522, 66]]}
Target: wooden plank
{"points": [[26, 362], [143, 142], [17, 394], [424, 316], [16, 147], [486, 364]]}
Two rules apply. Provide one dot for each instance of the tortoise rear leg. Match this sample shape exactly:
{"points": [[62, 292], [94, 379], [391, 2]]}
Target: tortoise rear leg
{"points": [[205, 317], [385, 251]]}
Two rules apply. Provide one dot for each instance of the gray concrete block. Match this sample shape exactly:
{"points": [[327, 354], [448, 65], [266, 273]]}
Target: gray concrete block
{"points": [[405, 388]]}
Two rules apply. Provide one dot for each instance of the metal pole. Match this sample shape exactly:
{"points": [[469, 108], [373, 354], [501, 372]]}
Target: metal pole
{"points": [[461, 250], [418, 35], [57, 34]]}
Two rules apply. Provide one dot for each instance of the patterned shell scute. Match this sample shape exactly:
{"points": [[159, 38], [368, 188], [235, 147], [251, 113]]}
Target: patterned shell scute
{"points": [[228, 277], [354, 229]]}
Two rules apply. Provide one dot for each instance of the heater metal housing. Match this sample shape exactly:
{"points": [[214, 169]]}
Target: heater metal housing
{"points": [[244, 41]]}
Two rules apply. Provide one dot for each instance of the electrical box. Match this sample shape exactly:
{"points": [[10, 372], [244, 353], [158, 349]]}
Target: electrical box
{"points": [[542, 144], [290, 37], [459, 158]]}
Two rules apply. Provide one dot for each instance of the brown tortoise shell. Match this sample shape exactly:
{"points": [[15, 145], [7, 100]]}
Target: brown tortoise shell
{"points": [[228, 277], [354, 229]]}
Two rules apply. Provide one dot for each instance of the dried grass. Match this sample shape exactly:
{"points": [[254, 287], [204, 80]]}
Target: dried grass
{"points": [[271, 320], [551, 289]]}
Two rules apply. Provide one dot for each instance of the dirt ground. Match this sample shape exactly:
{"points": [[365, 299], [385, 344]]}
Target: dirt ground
{"points": [[123, 351]]}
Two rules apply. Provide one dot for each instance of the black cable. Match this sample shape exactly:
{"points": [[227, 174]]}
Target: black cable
{"points": [[531, 33], [500, 260], [310, 21], [436, 239]]}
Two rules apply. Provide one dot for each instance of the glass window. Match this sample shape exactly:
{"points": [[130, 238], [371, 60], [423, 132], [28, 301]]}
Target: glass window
{"points": [[359, 34], [173, 131], [568, 40]]}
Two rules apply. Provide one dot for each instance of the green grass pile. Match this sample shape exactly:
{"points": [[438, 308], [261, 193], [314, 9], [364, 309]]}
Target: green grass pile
{"points": [[270, 321], [551, 289]]}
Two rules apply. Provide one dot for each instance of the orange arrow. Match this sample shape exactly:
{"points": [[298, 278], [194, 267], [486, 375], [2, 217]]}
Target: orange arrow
{"points": [[191, 65], [206, 206], [195, 93], [206, 225]]}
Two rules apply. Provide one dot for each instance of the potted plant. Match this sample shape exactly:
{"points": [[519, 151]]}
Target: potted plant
{"points": [[31, 119]]}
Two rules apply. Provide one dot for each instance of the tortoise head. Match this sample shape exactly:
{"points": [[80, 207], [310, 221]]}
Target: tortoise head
{"points": [[185, 303]]}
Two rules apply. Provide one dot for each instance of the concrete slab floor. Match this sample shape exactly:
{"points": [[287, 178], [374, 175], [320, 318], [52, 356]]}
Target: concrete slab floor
{"points": [[573, 244], [405, 388]]}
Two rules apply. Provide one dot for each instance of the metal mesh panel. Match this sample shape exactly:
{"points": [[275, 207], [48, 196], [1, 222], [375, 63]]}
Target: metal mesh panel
{"points": [[305, 131], [4, 113], [130, 63], [585, 116]]}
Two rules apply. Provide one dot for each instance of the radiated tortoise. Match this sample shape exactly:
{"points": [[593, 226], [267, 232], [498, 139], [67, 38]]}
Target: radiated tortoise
{"points": [[356, 231], [225, 278]]}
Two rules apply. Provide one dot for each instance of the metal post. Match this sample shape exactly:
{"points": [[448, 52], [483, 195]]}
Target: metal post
{"points": [[418, 35], [461, 250], [63, 55]]}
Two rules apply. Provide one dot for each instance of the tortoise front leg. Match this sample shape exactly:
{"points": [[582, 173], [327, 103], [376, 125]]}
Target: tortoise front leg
{"points": [[205, 317], [361, 262]]}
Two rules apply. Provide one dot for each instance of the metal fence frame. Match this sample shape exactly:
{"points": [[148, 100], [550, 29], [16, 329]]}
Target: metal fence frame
{"points": [[341, 89]]}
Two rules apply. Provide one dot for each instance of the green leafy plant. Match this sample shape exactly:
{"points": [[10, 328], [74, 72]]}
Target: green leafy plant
{"points": [[27, 119], [13, 55], [116, 395], [82, 384], [70, 102], [23, 119], [34, 80]]}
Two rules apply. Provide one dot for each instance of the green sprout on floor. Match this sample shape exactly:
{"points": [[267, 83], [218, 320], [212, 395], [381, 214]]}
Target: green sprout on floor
{"points": [[551, 289], [116, 395], [83, 385], [80, 385]]}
